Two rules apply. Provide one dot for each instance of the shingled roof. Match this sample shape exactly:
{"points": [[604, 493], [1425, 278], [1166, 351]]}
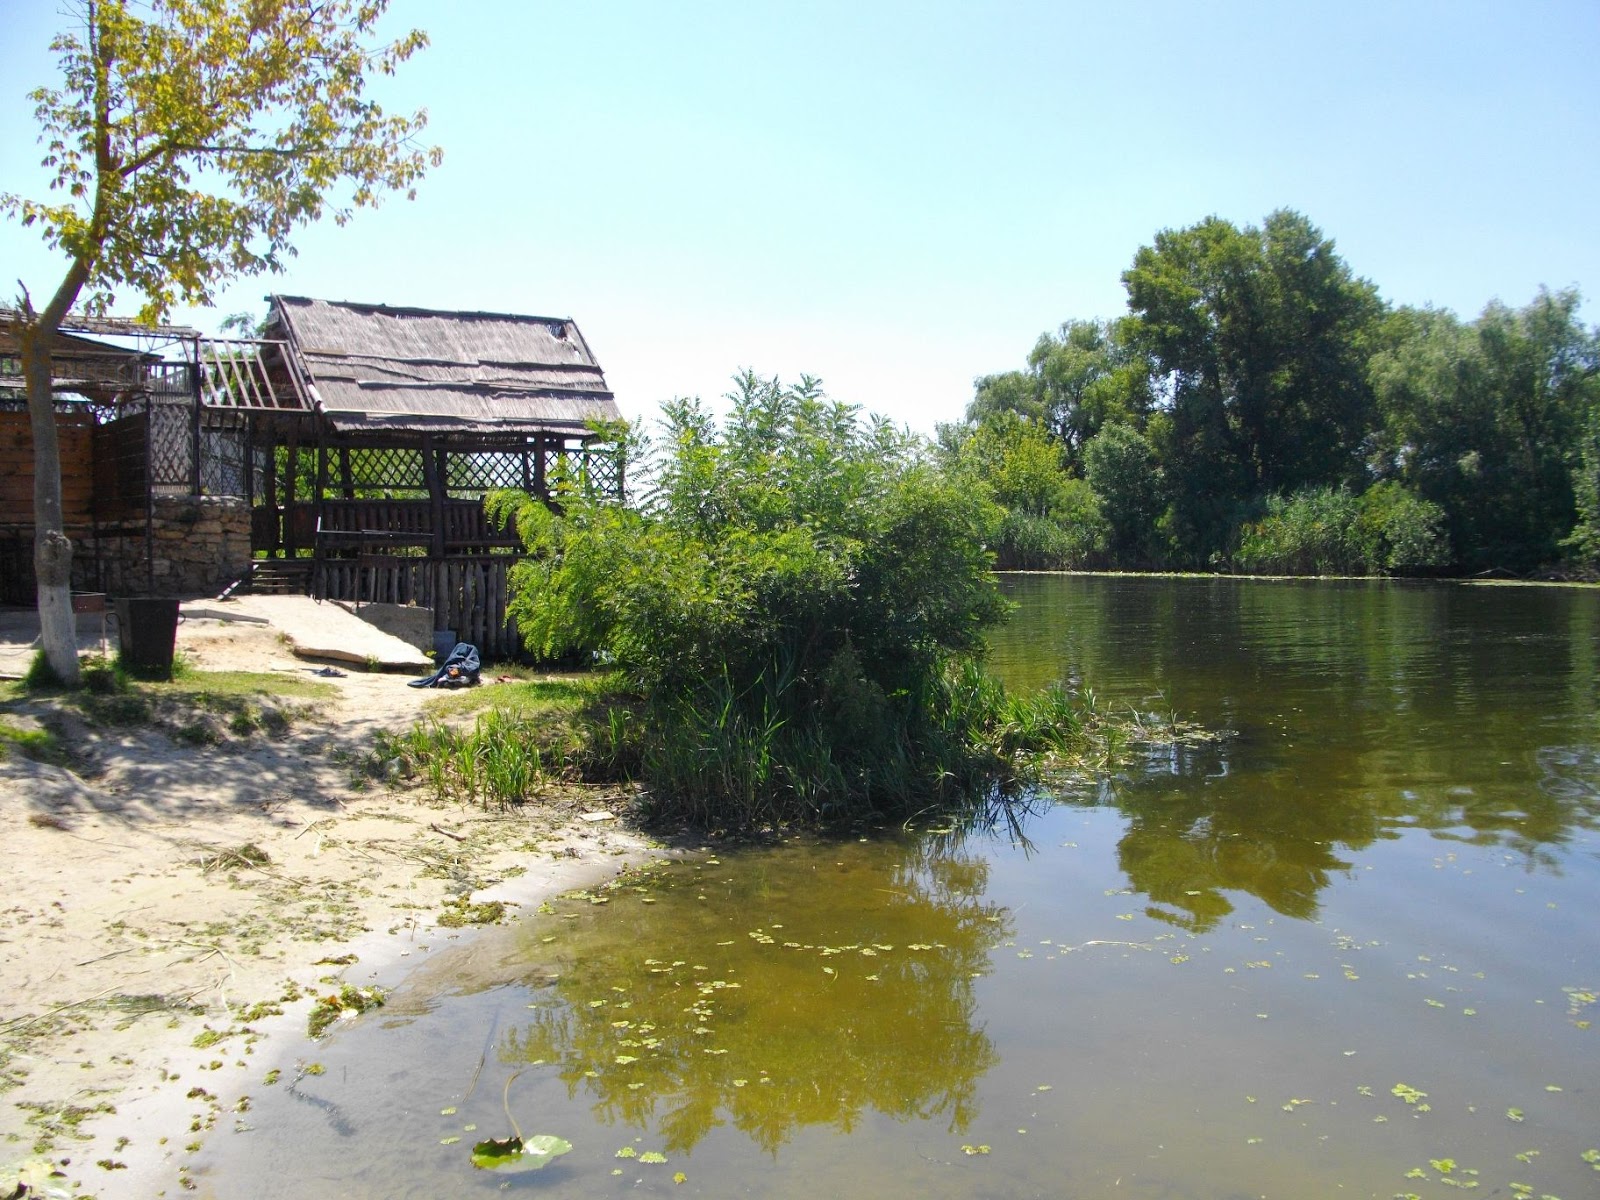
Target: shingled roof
{"points": [[372, 367]]}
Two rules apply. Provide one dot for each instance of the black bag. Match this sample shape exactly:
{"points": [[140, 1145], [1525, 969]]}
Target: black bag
{"points": [[460, 668]]}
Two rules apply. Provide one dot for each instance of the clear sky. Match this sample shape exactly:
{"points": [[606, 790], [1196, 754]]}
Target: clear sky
{"points": [[900, 197]]}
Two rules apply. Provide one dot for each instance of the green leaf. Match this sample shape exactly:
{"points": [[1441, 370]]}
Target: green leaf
{"points": [[514, 1155]]}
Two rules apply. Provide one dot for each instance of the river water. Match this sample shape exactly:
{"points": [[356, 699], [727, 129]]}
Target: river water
{"points": [[1350, 948]]}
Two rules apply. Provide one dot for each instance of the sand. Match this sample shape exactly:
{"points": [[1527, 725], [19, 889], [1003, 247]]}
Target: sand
{"points": [[171, 912]]}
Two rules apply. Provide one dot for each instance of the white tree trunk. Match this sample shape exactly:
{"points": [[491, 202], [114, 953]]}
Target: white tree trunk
{"points": [[52, 549]]}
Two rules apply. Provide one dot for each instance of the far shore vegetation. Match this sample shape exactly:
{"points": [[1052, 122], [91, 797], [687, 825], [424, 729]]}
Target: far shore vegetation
{"points": [[1260, 409]]}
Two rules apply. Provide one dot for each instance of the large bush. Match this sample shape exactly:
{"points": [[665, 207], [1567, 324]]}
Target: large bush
{"points": [[1048, 520], [791, 603], [1331, 531]]}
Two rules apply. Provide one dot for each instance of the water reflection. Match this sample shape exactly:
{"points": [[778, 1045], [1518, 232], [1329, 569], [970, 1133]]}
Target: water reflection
{"points": [[728, 996], [1355, 711]]}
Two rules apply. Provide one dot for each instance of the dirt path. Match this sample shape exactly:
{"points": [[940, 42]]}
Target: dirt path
{"points": [[167, 906]]}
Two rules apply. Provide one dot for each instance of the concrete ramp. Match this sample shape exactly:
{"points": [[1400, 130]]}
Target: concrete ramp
{"points": [[321, 630]]}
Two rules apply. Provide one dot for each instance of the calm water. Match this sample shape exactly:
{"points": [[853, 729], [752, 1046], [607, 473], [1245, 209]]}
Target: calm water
{"points": [[1350, 949]]}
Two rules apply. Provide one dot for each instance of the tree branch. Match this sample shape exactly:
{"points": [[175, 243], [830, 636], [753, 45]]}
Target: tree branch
{"points": [[166, 148]]}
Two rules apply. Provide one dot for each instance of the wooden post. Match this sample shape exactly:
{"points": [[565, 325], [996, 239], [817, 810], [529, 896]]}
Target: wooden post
{"points": [[318, 496], [248, 439], [433, 470], [291, 472], [269, 497], [193, 372]]}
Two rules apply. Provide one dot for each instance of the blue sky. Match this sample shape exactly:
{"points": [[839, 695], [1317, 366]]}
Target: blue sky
{"points": [[900, 197]]}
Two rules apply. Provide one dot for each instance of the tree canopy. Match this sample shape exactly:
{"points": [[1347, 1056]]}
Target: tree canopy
{"points": [[189, 139], [1260, 407], [186, 142]]}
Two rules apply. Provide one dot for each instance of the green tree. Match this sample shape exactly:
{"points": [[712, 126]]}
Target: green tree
{"points": [[1260, 338], [1077, 380], [188, 141], [1584, 542], [1486, 420], [1119, 463]]}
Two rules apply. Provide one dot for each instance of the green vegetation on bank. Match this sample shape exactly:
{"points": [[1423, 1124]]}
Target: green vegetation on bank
{"points": [[793, 612], [196, 707], [1259, 407]]}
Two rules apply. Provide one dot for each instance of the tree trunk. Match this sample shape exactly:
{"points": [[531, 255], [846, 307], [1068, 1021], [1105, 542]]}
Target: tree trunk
{"points": [[52, 549]]}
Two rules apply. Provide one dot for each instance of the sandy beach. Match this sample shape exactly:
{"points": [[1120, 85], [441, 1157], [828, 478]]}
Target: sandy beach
{"points": [[171, 910]]}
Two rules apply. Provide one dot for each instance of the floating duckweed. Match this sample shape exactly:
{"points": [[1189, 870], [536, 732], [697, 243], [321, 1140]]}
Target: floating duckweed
{"points": [[1407, 1093], [652, 1156]]}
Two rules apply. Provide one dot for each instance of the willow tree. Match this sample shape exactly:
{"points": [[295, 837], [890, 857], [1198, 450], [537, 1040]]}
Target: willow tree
{"points": [[186, 142]]}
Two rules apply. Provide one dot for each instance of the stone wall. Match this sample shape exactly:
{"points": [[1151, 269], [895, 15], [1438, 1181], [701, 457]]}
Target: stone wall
{"points": [[202, 544]]}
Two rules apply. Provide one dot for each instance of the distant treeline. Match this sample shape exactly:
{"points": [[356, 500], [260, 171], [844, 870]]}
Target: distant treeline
{"points": [[1260, 408]]}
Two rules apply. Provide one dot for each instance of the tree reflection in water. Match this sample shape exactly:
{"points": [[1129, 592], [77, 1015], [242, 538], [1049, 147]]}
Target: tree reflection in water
{"points": [[726, 996], [1217, 818]]}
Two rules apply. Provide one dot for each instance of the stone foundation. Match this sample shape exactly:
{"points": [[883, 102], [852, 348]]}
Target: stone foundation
{"points": [[201, 545]]}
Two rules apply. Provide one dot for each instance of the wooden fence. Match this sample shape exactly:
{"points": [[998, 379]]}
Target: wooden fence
{"points": [[467, 594]]}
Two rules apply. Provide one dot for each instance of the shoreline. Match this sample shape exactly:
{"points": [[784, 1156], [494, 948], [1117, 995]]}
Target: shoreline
{"points": [[175, 912]]}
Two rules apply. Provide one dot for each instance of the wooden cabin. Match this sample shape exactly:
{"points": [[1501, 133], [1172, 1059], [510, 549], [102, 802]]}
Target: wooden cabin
{"points": [[344, 454]]}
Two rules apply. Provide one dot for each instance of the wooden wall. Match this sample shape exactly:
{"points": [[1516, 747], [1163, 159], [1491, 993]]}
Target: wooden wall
{"points": [[75, 432]]}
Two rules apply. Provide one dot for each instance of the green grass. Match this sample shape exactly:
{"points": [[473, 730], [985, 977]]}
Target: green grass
{"points": [[523, 734], [209, 687], [198, 706], [41, 745], [532, 694]]}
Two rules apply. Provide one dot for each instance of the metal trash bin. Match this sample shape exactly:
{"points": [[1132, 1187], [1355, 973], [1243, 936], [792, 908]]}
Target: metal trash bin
{"points": [[147, 633]]}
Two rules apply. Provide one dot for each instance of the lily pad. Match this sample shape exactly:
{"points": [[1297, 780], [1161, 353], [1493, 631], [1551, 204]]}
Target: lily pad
{"points": [[514, 1154]]}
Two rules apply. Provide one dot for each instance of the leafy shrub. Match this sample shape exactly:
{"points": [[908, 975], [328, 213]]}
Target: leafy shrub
{"points": [[1329, 531], [1400, 531], [1047, 520], [790, 606]]}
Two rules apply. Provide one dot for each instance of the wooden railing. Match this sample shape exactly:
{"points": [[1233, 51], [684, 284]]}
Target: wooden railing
{"points": [[355, 525]]}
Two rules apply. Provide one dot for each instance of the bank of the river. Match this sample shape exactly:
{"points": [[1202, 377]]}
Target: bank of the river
{"points": [[170, 906], [1464, 581]]}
